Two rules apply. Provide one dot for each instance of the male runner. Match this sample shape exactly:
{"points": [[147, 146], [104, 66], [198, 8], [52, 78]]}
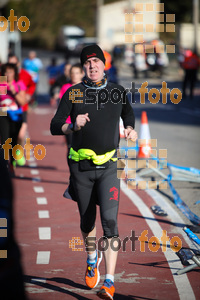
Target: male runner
{"points": [[92, 163]]}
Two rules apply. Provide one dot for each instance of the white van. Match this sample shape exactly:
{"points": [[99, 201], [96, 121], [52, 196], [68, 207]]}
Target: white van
{"points": [[68, 37]]}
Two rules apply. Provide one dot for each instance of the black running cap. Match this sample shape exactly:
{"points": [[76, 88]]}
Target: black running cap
{"points": [[92, 51]]}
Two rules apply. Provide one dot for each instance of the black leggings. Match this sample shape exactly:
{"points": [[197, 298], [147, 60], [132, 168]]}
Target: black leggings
{"points": [[90, 187], [9, 129]]}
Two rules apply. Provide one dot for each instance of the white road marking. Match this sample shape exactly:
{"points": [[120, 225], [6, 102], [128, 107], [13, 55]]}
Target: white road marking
{"points": [[38, 189], [32, 289], [44, 233], [31, 159], [32, 165], [182, 283], [43, 257], [46, 132], [34, 172], [54, 271], [36, 179], [41, 200], [43, 280], [42, 111], [43, 214]]}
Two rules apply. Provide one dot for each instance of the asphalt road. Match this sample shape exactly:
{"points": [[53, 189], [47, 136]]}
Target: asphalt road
{"points": [[48, 233]]}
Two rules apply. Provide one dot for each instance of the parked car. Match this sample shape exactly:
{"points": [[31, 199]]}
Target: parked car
{"points": [[69, 37]]}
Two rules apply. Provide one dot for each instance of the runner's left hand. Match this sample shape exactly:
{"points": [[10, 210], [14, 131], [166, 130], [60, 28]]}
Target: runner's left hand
{"points": [[130, 134]]}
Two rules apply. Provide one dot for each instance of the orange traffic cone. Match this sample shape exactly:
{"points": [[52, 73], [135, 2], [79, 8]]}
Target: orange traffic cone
{"points": [[144, 142], [121, 129]]}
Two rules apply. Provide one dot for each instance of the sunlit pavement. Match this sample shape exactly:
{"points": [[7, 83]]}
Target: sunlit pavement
{"points": [[45, 223]]}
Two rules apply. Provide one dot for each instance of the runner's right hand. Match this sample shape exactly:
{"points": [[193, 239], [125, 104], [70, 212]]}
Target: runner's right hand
{"points": [[81, 121]]}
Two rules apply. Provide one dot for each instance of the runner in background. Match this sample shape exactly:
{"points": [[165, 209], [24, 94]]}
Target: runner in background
{"points": [[112, 73], [12, 102], [25, 77], [33, 65], [60, 81], [190, 65], [76, 75], [53, 71]]}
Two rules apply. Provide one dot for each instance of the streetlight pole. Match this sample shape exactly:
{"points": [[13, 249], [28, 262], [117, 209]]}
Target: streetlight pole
{"points": [[99, 4], [195, 22], [129, 6]]}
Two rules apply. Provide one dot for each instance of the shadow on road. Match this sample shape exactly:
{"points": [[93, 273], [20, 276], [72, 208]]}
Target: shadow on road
{"points": [[66, 281], [157, 220], [41, 180], [33, 280]]}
